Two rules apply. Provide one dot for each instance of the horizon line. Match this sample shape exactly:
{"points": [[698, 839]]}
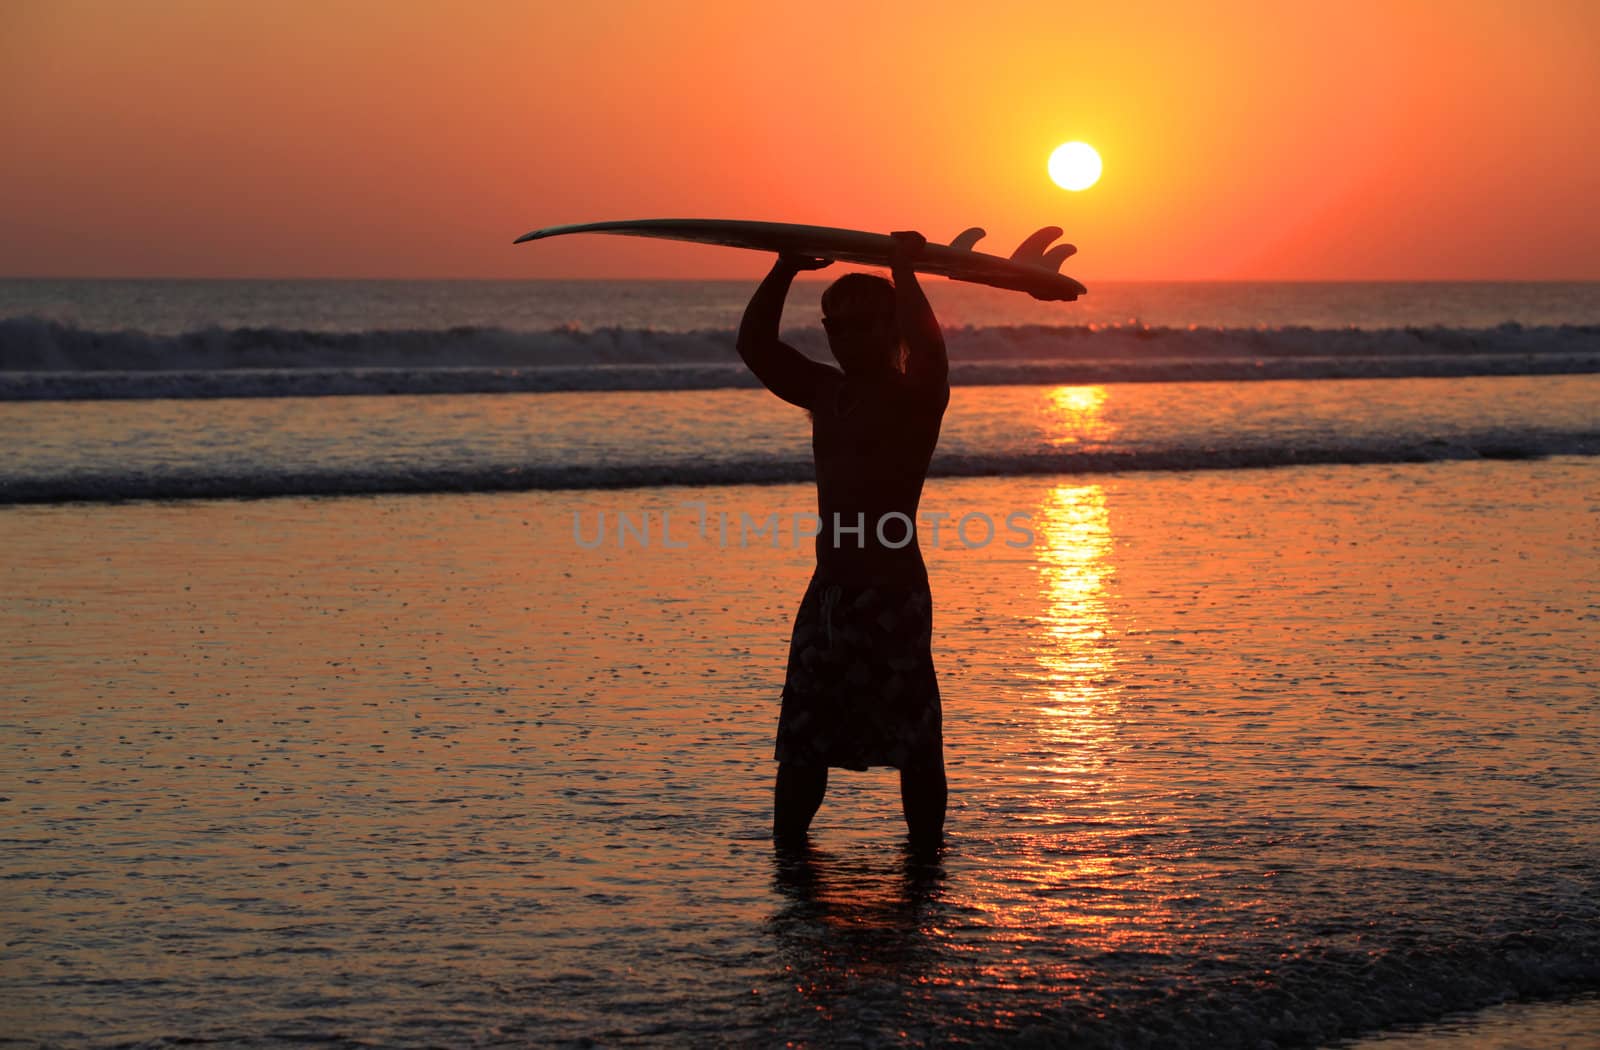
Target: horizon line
{"points": [[798, 280]]}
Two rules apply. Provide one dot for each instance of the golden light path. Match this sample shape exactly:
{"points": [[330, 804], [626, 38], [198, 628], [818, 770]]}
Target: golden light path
{"points": [[1073, 650], [1074, 568], [1087, 879], [1077, 419]]}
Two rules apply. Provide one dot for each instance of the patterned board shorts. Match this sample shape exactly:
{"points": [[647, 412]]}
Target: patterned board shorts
{"points": [[861, 689]]}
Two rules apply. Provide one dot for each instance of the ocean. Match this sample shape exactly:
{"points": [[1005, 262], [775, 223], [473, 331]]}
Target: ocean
{"points": [[1266, 622], [164, 389]]}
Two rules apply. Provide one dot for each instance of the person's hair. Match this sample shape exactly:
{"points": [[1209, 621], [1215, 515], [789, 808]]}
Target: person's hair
{"points": [[859, 294], [862, 296]]}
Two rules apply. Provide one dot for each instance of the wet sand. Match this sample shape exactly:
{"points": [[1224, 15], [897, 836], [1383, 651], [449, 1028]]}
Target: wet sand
{"points": [[1566, 1025]]}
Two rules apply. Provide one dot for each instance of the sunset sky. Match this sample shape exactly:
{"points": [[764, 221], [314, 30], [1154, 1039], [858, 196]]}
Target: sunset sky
{"points": [[322, 138]]}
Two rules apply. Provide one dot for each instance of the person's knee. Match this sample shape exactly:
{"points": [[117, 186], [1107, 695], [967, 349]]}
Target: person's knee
{"points": [[924, 775], [801, 778]]}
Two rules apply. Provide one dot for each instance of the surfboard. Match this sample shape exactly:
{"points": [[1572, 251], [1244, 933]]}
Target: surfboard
{"points": [[1033, 268]]}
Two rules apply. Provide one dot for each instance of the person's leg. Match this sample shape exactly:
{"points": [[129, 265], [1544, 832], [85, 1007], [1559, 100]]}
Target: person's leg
{"points": [[795, 799], [922, 796]]}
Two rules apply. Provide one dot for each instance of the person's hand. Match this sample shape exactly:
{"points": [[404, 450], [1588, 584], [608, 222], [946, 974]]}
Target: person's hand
{"points": [[797, 263], [908, 245]]}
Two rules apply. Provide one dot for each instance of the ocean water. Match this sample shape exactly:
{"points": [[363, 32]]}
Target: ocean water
{"points": [[1238, 758], [430, 750], [153, 339], [628, 389], [173, 307], [174, 448]]}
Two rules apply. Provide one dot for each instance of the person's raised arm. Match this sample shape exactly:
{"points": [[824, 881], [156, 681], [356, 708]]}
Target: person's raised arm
{"points": [[926, 363], [781, 368]]}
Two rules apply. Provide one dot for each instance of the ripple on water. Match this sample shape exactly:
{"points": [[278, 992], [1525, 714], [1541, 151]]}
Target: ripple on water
{"points": [[374, 770]]}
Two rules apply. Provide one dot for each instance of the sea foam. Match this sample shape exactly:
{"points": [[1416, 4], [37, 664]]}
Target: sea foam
{"points": [[42, 359]]}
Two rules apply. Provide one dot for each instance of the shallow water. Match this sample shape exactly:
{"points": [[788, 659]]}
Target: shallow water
{"points": [[269, 446], [1245, 755]]}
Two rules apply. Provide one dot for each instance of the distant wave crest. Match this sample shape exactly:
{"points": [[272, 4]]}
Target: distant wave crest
{"points": [[42, 359], [256, 481]]}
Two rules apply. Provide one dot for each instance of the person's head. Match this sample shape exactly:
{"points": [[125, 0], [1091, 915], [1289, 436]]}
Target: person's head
{"points": [[858, 313]]}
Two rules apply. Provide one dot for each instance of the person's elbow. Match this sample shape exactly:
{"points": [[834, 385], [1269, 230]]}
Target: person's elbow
{"points": [[748, 346], [745, 338], [755, 350]]}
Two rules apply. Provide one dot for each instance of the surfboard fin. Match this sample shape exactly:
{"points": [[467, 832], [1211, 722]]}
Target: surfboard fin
{"points": [[1031, 251], [1058, 255], [967, 238]]}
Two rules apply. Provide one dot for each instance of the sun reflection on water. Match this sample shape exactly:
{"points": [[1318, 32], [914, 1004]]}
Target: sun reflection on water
{"points": [[1081, 860], [1074, 647], [1077, 416]]}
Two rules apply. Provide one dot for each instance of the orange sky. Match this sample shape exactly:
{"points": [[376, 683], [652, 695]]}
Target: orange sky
{"points": [[407, 139]]}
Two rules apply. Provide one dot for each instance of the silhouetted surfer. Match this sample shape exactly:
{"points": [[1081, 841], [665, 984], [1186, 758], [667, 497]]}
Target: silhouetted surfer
{"points": [[860, 689]]}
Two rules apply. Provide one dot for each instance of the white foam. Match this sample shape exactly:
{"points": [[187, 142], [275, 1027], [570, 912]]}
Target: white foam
{"points": [[44, 359]]}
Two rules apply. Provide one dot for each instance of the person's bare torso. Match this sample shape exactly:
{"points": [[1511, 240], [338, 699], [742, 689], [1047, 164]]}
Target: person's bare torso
{"points": [[872, 443]]}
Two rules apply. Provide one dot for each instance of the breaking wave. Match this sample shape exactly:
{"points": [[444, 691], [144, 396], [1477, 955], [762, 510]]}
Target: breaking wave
{"points": [[42, 359], [259, 481]]}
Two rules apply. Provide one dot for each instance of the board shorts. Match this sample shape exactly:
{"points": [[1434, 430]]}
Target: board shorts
{"points": [[860, 689]]}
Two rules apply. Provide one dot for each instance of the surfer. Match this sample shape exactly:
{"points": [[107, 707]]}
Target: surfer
{"points": [[860, 689]]}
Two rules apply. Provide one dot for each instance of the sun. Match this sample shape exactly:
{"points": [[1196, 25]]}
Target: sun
{"points": [[1075, 166]]}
